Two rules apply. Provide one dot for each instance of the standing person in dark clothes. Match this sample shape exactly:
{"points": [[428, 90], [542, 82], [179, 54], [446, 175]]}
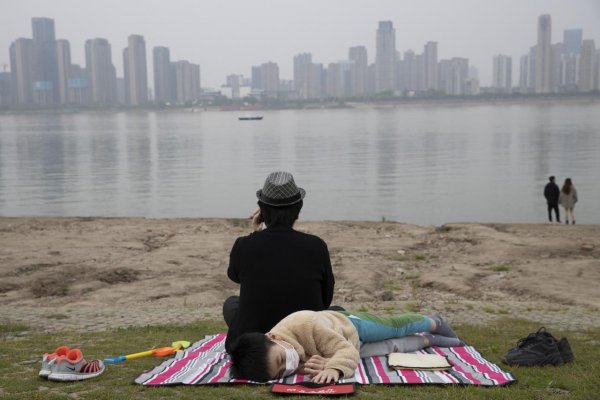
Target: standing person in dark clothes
{"points": [[280, 270], [551, 193]]}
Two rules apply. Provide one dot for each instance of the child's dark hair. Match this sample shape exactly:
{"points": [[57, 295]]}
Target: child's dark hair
{"points": [[280, 216], [249, 357]]}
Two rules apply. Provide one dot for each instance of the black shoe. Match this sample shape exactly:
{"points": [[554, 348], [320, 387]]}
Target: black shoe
{"points": [[565, 351], [539, 348]]}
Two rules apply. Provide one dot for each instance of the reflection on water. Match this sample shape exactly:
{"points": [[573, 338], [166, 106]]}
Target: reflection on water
{"points": [[425, 165]]}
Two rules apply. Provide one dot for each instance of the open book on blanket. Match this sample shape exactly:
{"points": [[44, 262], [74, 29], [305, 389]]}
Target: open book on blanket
{"points": [[421, 362]]}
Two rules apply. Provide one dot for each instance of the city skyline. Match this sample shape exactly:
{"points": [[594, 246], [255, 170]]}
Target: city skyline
{"points": [[43, 72], [255, 36]]}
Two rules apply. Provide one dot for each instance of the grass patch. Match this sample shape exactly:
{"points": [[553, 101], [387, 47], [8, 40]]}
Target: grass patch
{"points": [[398, 258], [412, 276], [412, 307], [57, 316], [19, 365], [391, 285], [501, 268], [494, 310]]}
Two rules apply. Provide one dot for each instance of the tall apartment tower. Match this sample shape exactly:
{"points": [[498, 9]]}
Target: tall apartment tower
{"points": [[45, 84], [161, 58], [317, 80], [269, 75], [22, 67], [409, 72], [597, 69], [431, 62], [543, 55], [524, 74], [137, 76], [385, 57], [101, 72], [359, 70], [457, 75], [572, 39], [63, 59], [556, 68], [187, 81], [302, 75], [502, 74], [587, 66]]}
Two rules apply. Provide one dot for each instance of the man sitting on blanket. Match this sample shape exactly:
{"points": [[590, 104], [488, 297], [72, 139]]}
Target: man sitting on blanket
{"points": [[325, 344]]}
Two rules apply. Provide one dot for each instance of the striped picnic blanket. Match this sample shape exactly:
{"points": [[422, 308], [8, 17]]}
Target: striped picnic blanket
{"points": [[206, 363]]}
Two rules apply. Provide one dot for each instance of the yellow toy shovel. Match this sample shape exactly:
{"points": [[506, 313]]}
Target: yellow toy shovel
{"points": [[160, 352]]}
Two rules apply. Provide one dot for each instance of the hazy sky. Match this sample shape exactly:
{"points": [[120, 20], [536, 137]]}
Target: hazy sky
{"points": [[229, 36]]}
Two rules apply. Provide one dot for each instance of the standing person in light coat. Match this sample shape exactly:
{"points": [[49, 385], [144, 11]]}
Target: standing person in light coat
{"points": [[567, 199]]}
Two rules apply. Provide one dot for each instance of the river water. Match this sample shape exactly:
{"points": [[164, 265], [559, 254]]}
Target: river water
{"points": [[424, 164]]}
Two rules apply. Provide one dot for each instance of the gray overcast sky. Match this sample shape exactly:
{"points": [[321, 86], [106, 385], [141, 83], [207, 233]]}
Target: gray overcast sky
{"points": [[229, 36]]}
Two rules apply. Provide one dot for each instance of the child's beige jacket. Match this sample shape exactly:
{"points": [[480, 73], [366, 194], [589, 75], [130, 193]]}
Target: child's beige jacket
{"points": [[325, 333]]}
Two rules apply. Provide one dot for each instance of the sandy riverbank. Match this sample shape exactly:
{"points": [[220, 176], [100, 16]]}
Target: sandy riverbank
{"points": [[95, 273]]}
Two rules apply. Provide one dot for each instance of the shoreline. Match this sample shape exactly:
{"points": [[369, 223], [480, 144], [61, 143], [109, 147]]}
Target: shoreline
{"points": [[91, 273], [469, 101]]}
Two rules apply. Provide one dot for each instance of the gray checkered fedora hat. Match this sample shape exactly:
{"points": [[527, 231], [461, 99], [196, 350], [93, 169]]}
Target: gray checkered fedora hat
{"points": [[280, 190]]}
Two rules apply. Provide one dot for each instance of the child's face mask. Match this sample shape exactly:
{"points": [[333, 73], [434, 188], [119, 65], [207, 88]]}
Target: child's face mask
{"points": [[292, 359]]}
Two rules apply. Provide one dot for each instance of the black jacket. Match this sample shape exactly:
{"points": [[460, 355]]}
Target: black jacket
{"points": [[280, 271], [551, 193]]}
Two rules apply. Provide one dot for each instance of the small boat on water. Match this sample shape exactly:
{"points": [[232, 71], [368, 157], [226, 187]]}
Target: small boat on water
{"points": [[251, 118]]}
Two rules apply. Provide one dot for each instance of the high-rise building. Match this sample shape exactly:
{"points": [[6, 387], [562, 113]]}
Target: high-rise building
{"points": [[420, 72], [302, 75], [43, 29], [187, 81], [502, 74], [587, 66], [458, 75], [162, 75], [317, 81], [409, 72], [100, 71], [77, 85], [431, 63], [137, 78], [444, 81], [5, 84], [269, 75], [598, 69], [556, 68], [358, 70], [524, 74], [256, 81], [63, 59], [334, 81], [45, 85], [572, 41], [22, 67], [543, 54], [385, 57], [234, 81], [339, 79]]}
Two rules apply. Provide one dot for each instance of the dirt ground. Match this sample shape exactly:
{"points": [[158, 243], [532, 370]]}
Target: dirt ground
{"points": [[96, 273]]}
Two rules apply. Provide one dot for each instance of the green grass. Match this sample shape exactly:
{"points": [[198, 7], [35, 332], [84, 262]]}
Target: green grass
{"points": [[501, 268], [21, 348]]}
